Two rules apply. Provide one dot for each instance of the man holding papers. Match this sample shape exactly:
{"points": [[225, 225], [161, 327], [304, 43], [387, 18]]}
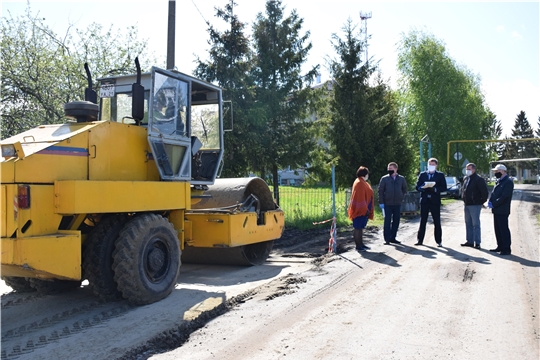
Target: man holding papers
{"points": [[431, 184]]}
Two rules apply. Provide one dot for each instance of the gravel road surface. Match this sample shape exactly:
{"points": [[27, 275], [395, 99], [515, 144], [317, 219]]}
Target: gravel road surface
{"points": [[393, 302]]}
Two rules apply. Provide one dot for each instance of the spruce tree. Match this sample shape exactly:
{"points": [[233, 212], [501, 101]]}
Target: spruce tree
{"points": [[229, 65], [283, 129], [363, 120]]}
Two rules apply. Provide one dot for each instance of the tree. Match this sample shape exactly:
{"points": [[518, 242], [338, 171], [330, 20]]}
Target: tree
{"points": [[229, 65], [522, 149], [283, 130], [363, 121], [440, 98], [41, 71]]}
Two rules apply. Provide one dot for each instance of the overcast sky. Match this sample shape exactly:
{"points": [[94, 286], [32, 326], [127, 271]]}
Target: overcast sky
{"points": [[499, 41]]}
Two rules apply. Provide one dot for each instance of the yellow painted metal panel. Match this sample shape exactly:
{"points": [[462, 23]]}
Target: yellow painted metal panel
{"points": [[40, 217], [88, 197], [7, 171], [118, 152], [9, 210], [65, 160], [226, 230], [52, 256], [176, 218]]}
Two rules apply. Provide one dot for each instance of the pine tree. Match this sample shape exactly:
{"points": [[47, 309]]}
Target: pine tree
{"points": [[363, 123], [229, 65], [284, 135], [522, 149]]}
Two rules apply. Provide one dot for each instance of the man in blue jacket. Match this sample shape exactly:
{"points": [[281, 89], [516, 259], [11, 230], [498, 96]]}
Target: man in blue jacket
{"points": [[499, 203], [392, 190], [430, 200]]}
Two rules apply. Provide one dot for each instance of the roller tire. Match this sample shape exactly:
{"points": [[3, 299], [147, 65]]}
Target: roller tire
{"points": [[146, 259], [98, 258], [18, 284], [51, 287]]}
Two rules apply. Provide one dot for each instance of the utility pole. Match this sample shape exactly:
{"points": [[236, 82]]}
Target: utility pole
{"points": [[364, 18], [171, 30]]}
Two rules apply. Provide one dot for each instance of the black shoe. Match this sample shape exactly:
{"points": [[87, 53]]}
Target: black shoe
{"points": [[394, 241], [495, 250], [506, 252], [387, 243], [439, 244], [477, 246], [468, 244], [419, 243]]}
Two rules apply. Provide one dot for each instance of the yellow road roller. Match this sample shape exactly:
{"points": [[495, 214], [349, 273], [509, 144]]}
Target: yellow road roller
{"points": [[126, 190]]}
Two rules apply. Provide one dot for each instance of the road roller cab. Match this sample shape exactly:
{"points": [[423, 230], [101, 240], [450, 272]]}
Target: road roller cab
{"points": [[123, 192]]}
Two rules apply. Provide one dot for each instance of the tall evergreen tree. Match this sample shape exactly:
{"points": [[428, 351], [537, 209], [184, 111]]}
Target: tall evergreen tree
{"points": [[523, 130], [283, 129], [229, 65], [363, 120]]}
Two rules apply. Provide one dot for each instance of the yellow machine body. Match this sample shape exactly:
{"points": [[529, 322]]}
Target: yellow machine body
{"points": [[99, 168], [58, 181]]}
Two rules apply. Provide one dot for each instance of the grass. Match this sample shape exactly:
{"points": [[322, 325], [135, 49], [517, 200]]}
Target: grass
{"points": [[305, 205]]}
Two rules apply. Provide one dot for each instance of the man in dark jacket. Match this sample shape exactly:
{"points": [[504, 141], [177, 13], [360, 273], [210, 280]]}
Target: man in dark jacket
{"points": [[431, 184], [392, 190], [499, 203], [475, 193]]}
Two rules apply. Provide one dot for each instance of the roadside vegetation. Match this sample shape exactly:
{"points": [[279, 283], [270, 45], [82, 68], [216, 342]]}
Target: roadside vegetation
{"points": [[281, 120]]}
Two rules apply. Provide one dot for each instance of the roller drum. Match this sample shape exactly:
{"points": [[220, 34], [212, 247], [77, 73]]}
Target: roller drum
{"points": [[225, 193], [228, 192]]}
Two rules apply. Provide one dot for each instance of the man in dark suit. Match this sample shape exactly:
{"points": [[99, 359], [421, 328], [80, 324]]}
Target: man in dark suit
{"points": [[430, 200], [475, 194], [499, 203]]}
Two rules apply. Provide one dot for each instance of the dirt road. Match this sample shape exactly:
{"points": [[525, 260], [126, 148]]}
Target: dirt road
{"points": [[393, 302]]}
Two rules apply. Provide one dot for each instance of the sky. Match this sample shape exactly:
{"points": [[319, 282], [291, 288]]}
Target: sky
{"points": [[497, 41]]}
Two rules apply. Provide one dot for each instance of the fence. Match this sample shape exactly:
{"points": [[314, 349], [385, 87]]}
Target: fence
{"points": [[305, 205]]}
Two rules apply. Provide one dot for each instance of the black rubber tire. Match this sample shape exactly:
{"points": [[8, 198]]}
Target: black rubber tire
{"points": [[98, 257], [50, 287], [18, 284], [146, 259]]}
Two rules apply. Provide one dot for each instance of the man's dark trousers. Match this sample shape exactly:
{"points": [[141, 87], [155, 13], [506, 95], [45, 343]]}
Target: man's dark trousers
{"points": [[502, 232], [425, 209], [392, 214]]}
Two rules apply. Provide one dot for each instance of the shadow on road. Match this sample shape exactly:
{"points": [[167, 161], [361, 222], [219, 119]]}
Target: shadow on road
{"points": [[416, 250], [515, 258], [458, 255], [380, 257], [349, 260]]}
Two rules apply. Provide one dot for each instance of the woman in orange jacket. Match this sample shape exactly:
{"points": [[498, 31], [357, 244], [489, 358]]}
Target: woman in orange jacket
{"points": [[361, 206]]}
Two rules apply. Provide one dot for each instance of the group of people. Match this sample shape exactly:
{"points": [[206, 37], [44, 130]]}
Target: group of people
{"points": [[431, 184]]}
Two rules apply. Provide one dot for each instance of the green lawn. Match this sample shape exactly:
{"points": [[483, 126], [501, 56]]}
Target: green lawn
{"points": [[305, 205]]}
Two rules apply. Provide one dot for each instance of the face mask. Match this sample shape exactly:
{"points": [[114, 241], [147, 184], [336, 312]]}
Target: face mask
{"points": [[498, 175], [390, 172], [468, 172], [366, 177], [431, 168]]}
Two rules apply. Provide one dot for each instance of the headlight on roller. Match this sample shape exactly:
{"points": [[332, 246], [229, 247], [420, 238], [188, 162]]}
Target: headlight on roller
{"points": [[9, 150]]}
